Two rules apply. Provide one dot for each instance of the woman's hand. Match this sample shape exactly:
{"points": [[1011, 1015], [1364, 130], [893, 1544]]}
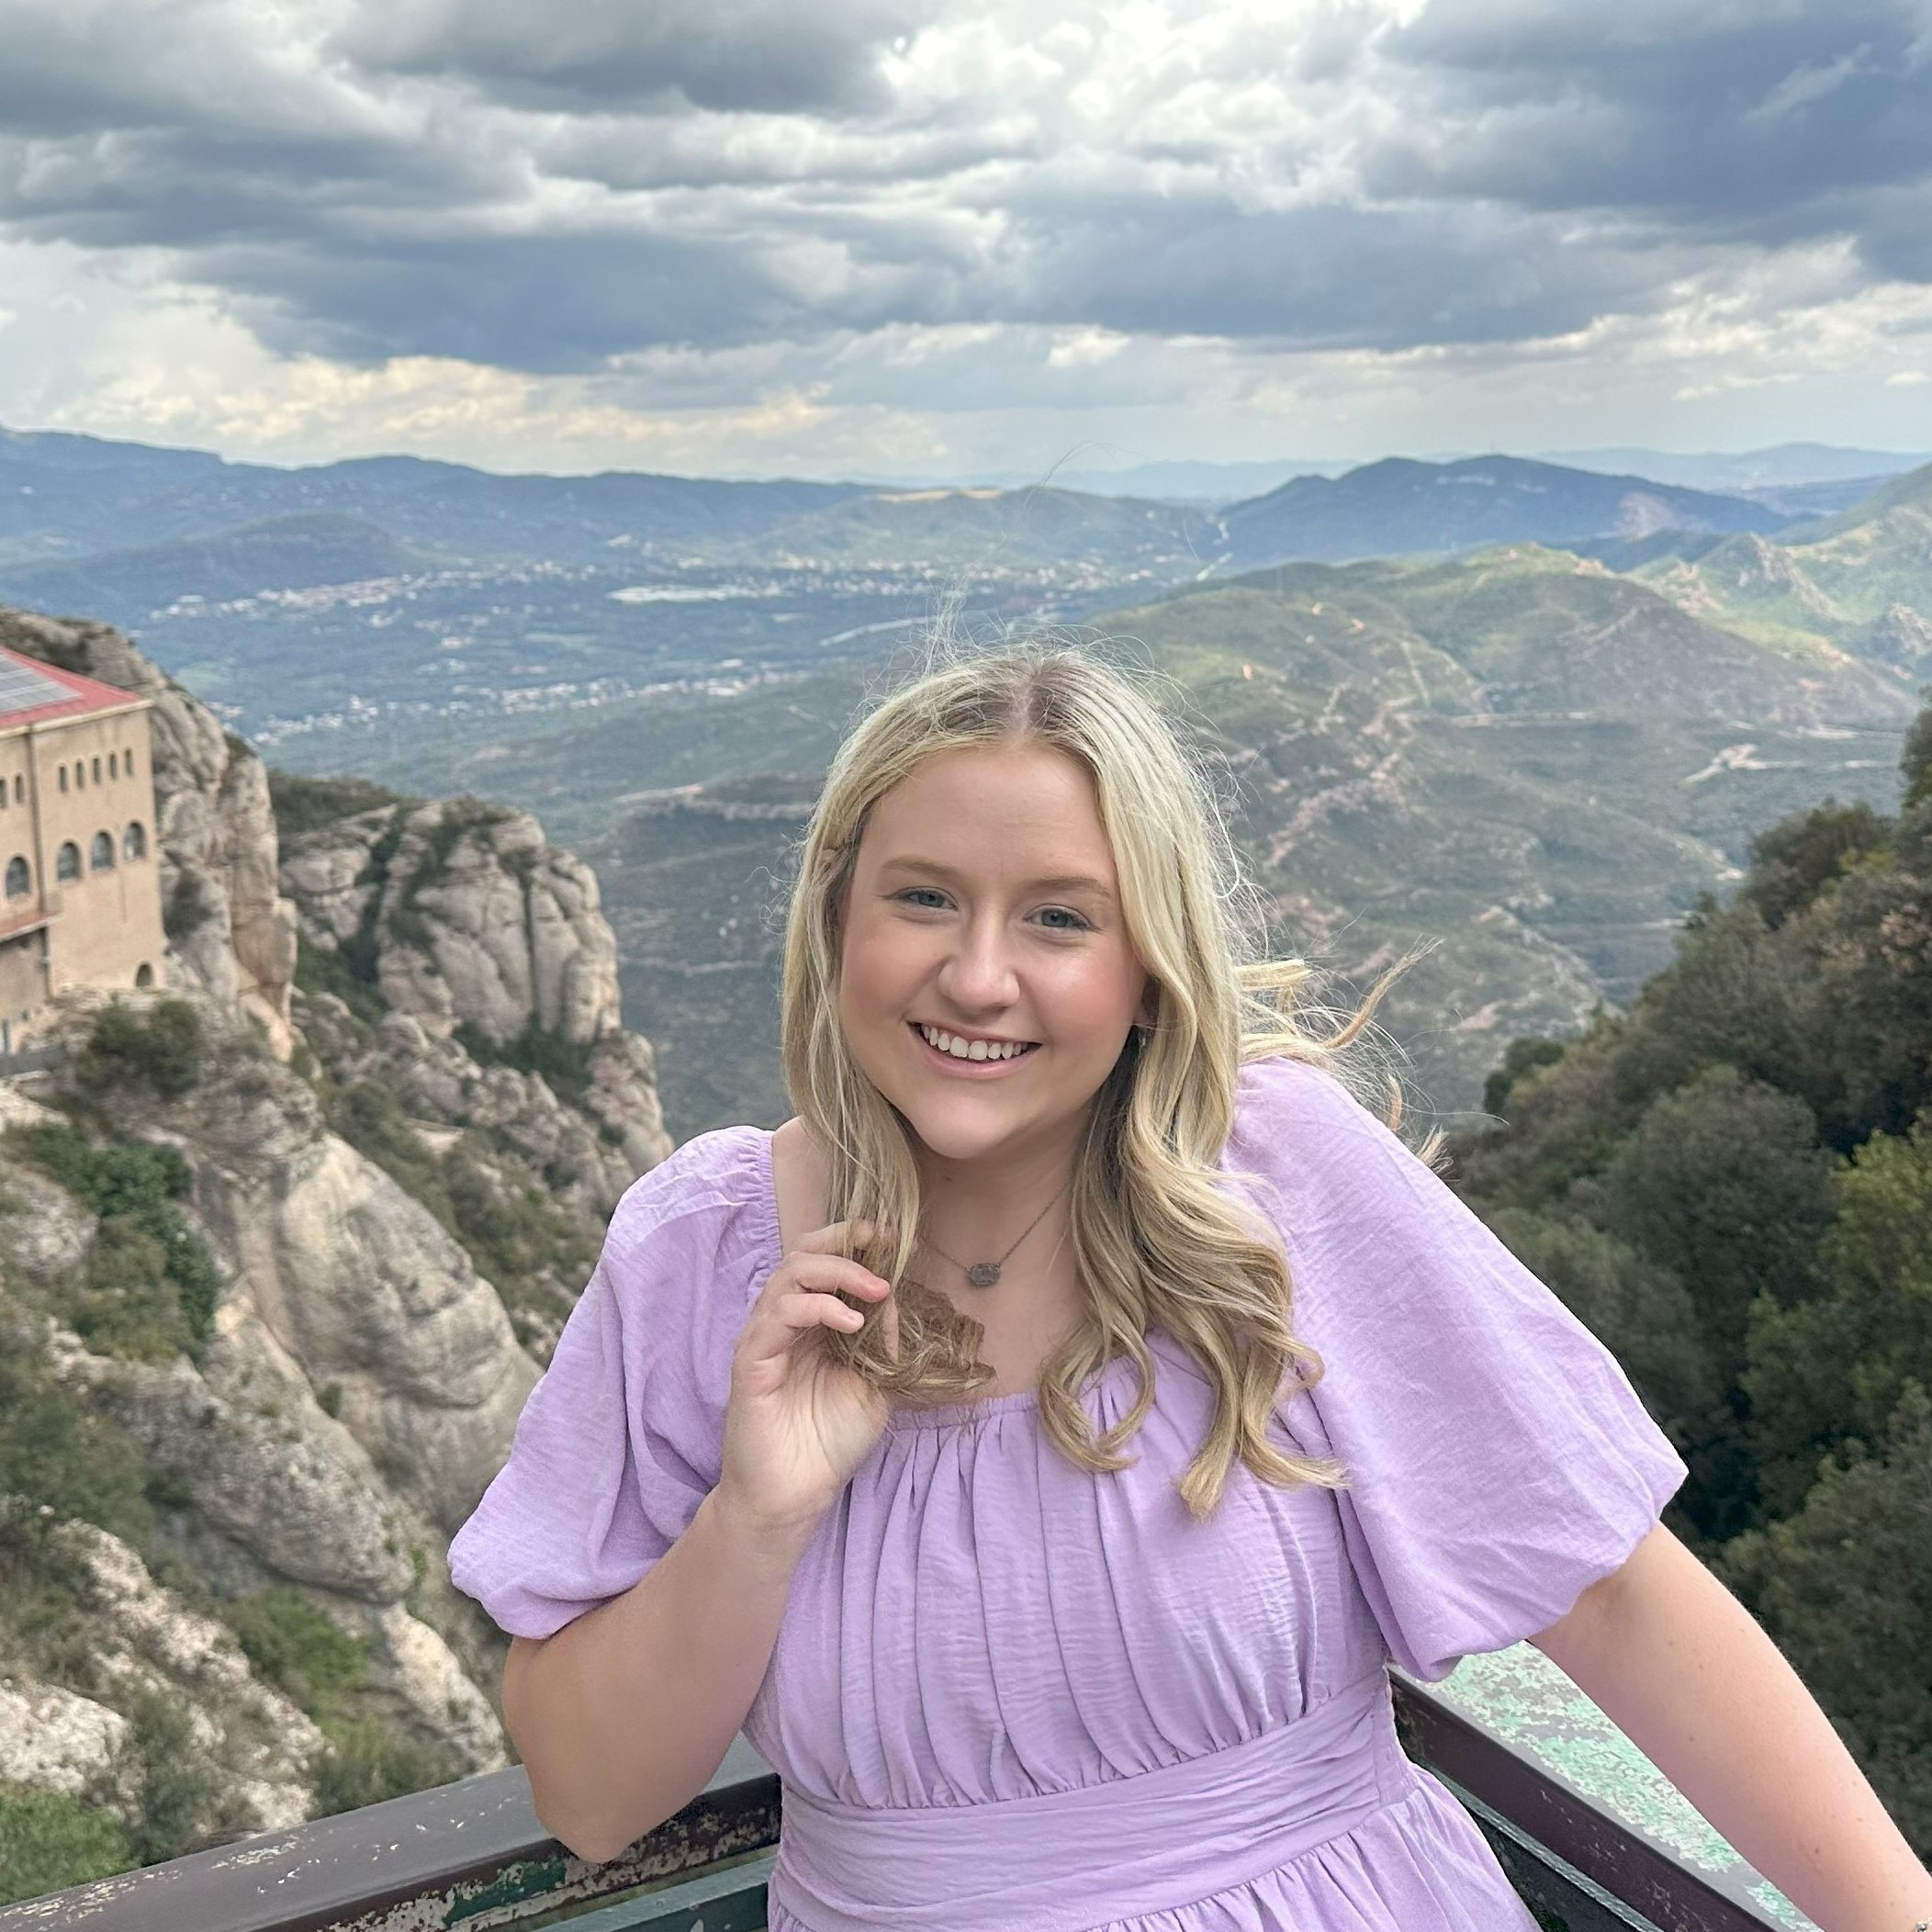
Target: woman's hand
{"points": [[798, 1423]]}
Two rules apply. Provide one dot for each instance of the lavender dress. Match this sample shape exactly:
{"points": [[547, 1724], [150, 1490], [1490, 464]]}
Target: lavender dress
{"points": [[1010, 1694]]}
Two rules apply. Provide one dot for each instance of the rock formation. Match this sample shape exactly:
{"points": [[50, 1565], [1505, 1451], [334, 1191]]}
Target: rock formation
{"points": [[446, 1079]]}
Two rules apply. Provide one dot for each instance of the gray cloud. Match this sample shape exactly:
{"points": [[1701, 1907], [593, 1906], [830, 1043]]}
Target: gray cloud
{"points": [[549, 190], [1766, 122], [765, 56]]}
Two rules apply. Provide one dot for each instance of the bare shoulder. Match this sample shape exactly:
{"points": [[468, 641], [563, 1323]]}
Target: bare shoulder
{"points": [[799, 1178]]}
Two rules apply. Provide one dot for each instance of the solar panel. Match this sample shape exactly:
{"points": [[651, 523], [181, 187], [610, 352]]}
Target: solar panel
{"points": [[22, 688]]}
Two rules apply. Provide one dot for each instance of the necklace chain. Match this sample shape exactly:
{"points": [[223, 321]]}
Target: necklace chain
{"points": [[984, 1273]]}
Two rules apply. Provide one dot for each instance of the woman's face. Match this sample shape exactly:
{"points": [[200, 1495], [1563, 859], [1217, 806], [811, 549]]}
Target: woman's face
{"points": [[987, 983]]}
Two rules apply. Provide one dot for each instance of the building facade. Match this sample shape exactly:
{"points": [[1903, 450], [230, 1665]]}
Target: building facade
{"points": [[80, 893]]}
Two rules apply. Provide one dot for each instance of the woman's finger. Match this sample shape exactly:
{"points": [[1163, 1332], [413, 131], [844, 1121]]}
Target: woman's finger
{"points": [[839, 1238], [830, 1274], [801, 1309]]}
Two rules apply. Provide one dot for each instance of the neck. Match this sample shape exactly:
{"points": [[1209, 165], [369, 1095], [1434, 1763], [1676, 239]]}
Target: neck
{"points": [[983, 1203]]}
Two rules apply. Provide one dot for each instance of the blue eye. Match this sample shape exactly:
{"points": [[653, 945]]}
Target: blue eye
{"points": [[1063, 911], [923, 896]]}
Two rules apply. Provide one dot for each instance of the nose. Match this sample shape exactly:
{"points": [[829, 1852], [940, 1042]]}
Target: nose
{"points": [[977, 974]]}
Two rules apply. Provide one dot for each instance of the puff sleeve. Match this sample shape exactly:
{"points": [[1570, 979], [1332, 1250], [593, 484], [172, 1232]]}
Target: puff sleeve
{"points": [[622, 1439], [1498, 1460]]}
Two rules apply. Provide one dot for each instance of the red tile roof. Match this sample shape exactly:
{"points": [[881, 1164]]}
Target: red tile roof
{"points": [[31, 691]]}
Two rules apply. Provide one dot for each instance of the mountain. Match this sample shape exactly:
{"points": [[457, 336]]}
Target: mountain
{"points": [[63, 496], [1860, 581], [282, 1252], [1397, 508], [1116, 538], [1748, 472], [1537, 764], [280, 553]]}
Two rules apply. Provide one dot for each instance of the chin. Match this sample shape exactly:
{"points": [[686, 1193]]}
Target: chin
{"points": [[957, 1134]]}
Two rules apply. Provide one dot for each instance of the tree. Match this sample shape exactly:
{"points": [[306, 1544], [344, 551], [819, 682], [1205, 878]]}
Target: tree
{"points": [[1822, 1372], [1723, 1184], [1845, 1588]]}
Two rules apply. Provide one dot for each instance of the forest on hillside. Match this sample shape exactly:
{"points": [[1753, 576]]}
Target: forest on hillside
{"points": [[1731, 1183]]}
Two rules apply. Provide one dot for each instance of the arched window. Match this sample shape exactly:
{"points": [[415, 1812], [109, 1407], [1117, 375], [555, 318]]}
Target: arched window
{"points": [[143, 977], [114, 764], [67, 861], [129, 762], [101, 855], [134, 841], [20, 879], [63, 778], [97, 771], [19, 788]]}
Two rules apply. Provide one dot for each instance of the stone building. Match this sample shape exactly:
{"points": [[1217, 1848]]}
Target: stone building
{"points": [[80, 898]]}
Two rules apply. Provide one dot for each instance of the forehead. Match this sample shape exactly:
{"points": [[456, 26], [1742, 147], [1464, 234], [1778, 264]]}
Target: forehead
{"points": [[1013, 807]]}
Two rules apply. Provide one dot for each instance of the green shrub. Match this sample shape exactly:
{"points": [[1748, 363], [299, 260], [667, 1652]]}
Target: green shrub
{"points": [[514, 1231], [161, 1049], [50, 1840], [306, 804], [178, 1789], [133, 1187], [57, 1452], [316, 971], [369, 1119], [564, 1063], [366, 1763], [298, 1648]]}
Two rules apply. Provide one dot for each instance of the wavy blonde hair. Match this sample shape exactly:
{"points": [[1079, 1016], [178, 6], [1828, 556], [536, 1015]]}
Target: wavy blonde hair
{"points": [[1157, 1241]]}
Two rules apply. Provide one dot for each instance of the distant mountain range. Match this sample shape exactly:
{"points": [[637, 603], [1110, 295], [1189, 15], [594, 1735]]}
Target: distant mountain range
{"points": [[1397, 508], [1514, 749], [123, 531]]}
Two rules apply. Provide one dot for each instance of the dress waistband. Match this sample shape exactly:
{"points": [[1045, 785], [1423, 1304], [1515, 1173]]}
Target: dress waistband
{"points": [[1065, 1861]]}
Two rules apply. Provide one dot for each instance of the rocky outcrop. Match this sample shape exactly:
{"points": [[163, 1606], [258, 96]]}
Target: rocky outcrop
{"points": [[1899, 637], [475, 919], [451, 1082], [146, 1645], [232, 931]]}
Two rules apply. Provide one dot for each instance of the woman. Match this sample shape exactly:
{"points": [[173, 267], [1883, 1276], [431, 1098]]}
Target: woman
{"points": [[1040, 1445]]}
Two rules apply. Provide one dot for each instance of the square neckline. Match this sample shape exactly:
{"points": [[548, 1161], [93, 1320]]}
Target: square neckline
{"points": [[946, 1415]]}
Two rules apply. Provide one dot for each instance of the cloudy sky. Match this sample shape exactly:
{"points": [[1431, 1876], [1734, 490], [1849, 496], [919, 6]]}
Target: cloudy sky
{"points": [[905, 237]]}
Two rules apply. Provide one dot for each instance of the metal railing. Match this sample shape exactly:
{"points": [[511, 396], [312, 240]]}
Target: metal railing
{"points": [[473, 1856]]}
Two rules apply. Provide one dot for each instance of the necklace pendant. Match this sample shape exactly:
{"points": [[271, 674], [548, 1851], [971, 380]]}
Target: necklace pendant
{"points": [[983, 1273]]}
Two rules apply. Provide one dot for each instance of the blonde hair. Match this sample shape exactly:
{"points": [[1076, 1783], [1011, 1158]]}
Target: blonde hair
{"points": [[1156, 1239]]}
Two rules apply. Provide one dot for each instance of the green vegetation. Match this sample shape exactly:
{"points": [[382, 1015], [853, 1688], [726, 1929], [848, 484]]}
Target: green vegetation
{"points": [[161, 1049], [1732, 1185], [300, 1648], [306, 804], [565, 1064], [149, 1285], [50, 1840], [530, 1250], [59, 1454]]}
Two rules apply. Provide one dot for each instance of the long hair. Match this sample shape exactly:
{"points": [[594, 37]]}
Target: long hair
{"points": [[1156, 1239]]}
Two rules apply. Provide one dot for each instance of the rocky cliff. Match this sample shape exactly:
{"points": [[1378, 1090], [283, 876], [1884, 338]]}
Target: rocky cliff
{"points": [[282, 1249]]}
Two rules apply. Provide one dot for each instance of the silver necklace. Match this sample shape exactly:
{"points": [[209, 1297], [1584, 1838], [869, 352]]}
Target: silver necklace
{"points": [[983, 1273]]}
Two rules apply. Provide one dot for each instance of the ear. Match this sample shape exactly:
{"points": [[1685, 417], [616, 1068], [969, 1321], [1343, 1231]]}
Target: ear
{"points": [[1149, 1010]]}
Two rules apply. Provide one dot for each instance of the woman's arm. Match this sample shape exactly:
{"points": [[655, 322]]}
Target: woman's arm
{"points": [[622, 1715], [1677, 1662]]}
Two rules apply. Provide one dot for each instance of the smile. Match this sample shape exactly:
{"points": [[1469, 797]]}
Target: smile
{"points": [[957, 1046]]}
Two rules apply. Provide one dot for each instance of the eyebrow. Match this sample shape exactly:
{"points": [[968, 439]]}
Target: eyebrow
{"points": [[1061, 882]]}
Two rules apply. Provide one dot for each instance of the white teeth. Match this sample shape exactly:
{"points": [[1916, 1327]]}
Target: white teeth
{"points": [[960, 1049]]}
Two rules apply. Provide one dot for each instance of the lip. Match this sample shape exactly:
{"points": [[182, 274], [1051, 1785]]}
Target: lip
{"points": [[965, 1069]]}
